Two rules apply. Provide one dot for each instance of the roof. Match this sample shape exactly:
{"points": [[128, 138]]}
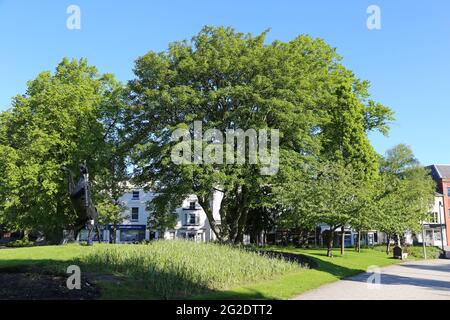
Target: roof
{"points": [[440, 171], [443, 171], [439, 195]]}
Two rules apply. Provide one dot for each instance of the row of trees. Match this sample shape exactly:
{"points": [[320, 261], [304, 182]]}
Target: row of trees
{"points": [[329, 172], [394, 201]]}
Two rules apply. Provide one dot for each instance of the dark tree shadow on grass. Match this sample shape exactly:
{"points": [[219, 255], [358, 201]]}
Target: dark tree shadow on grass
{"points": [[46, 279]]}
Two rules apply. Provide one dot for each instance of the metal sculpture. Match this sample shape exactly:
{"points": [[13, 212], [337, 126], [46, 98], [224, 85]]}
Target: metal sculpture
{"points": [[80, 196]]}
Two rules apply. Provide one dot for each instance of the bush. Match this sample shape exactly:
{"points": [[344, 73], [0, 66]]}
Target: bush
{"points": [[415, 252], [20, 243], [180, 268]]}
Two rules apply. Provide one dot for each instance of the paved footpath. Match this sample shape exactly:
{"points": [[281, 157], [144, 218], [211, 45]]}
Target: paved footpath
{"points": [[414, 280]]}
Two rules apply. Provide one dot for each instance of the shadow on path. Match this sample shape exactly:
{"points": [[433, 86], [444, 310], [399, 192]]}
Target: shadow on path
{"points": [[419, 279]]}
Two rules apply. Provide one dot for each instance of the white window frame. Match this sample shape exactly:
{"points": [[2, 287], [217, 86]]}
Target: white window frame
{"points": [[137, 210]]}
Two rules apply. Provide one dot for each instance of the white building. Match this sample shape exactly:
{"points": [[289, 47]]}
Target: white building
{"points": [[368, 237], [434, 229], [192, 223]]}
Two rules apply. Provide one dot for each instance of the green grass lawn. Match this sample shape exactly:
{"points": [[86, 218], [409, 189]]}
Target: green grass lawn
{"points": [[58, 256], [329, 270], [232, 280]]}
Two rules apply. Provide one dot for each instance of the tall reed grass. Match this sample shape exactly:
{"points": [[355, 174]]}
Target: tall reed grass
{"points": [[181, 268]]}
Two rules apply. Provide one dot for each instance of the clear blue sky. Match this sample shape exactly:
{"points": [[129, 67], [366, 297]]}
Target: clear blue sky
{"points": [[407, 61]]}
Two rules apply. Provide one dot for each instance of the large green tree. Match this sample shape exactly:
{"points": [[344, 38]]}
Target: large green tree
{"points": [[230, 80], [62, 119], [405, 193]]}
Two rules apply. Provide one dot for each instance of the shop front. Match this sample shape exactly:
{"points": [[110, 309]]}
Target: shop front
{"points": [[129, 233]]}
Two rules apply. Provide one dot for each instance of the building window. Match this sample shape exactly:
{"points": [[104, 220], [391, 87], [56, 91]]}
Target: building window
{"points": [[192, 205], [172, 235], [134, 214], [192, 218], [435, 217], [135, 195], [132, 235], [437, 236]]}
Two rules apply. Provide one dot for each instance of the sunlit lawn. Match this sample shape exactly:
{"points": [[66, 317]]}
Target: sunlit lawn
{"points": [[279, 287], [329, 270]]}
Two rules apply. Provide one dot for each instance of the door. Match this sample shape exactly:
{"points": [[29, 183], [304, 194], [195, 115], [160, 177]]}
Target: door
{"points": [[370, 239]]}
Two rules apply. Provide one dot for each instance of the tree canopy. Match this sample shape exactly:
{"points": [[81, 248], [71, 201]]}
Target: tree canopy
{"points": [[230, 80], [405, 193], [326, 169], [62, 119]]}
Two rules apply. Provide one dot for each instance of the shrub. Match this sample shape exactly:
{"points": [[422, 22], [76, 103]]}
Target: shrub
{"points": [[415, 252], [181, 268], [20, 243]]}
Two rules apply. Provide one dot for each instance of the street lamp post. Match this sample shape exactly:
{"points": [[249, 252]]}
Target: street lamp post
{"points": [[440, 224], [423, 241]]}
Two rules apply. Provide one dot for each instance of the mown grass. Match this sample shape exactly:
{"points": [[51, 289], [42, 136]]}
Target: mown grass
{"points": [[55, 257], [196, 271], [292, 284], [175, 269]]}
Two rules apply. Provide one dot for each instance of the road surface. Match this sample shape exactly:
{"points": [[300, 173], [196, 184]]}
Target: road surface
{"points": [[415, 280]]}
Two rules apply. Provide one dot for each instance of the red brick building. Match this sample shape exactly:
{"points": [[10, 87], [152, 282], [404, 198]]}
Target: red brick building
{"points": [[441, 174]]}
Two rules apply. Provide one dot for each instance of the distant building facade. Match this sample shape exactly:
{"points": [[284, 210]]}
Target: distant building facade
{"points": [[434, 228], [441, 174], [192, 223]]}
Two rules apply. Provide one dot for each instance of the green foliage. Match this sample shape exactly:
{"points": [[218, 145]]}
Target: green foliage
{"points": [[329, 172], [416, 252], [62, 119], [328, 192], [405, 193], [179, 268], [111, 212], [159, 219], [230, 80], [20, 243]]}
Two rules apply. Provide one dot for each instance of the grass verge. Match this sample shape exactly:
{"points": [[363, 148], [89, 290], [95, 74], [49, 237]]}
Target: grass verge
{"points": [[290, 285], [176, 269], [195, 271]]}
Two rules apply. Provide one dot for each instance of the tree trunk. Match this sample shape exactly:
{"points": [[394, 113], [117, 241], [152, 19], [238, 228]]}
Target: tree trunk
{"points": [[358, 243], [204, 203], [114, 234], [99, 235], [330, 242], [300, 240], [342, 240], [241, 227], [388, 244], [242, 214]]}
